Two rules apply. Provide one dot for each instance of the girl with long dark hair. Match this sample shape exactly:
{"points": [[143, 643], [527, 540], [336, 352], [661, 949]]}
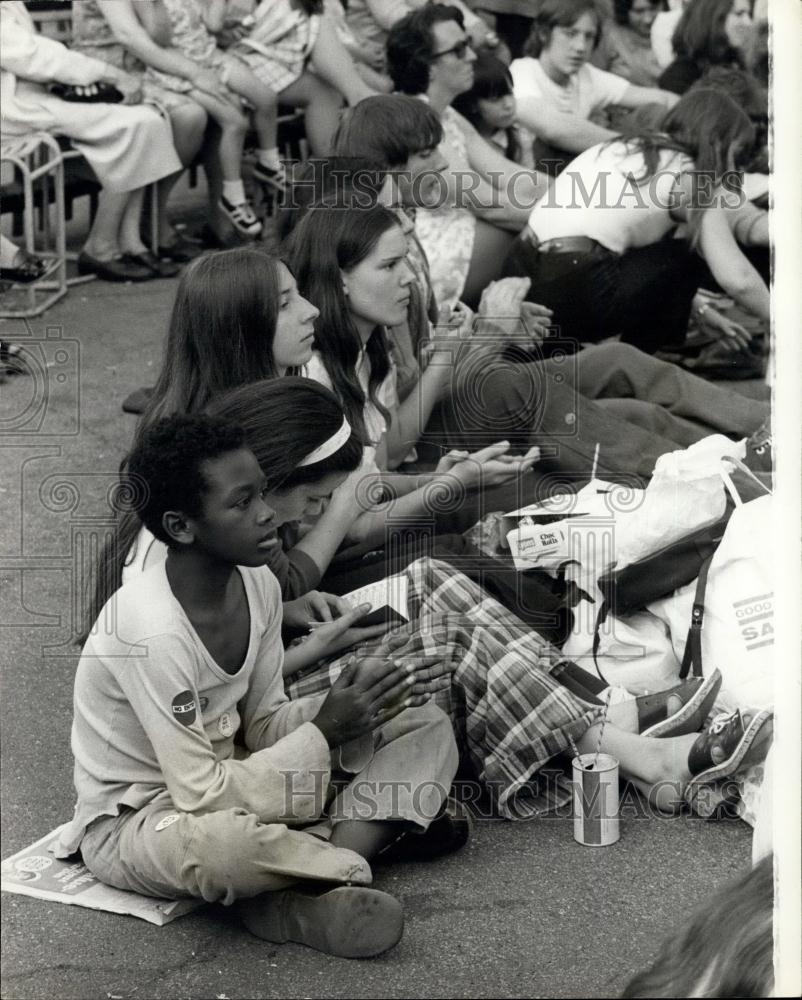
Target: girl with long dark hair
{"points": [[352, 264], [610, 263], [709, 33], [237, 318]]}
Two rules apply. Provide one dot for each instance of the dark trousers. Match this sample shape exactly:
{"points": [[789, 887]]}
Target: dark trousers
{"points": [[635, 407], [644, 295]]}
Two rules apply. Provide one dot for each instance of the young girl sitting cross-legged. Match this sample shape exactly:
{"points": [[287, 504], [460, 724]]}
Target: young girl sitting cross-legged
{"points": [[166, 805]]}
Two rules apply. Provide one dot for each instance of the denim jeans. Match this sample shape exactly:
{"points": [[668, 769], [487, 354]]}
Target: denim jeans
{"points": [[644, 295]]}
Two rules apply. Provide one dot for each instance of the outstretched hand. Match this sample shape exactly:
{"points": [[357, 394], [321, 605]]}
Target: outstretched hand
{"points": [[490, 466]]}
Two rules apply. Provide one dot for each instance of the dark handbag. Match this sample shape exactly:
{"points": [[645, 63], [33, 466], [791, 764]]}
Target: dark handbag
{"points": [[630, 589], [106, 93]]}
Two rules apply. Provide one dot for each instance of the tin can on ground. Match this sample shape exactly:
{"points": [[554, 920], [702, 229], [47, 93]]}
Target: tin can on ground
{"points": [[595, 800]]}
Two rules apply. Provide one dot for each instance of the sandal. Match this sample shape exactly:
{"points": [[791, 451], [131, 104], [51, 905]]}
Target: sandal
{"points": [[730, 743], [659, 715]]}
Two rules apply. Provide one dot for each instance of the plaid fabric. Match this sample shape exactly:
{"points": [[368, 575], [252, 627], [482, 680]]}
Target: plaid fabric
{"points": [[279, 44], [492, 678]]}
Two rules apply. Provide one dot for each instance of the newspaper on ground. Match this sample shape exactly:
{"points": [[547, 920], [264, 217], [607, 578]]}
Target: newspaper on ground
{"points": [[34, 871]]}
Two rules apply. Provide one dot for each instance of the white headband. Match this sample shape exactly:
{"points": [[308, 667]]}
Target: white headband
{"points": [[330, 446]]}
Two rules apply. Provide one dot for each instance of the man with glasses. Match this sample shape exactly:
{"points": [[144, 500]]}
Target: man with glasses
{"points": [[371, 20], [429, 55]]}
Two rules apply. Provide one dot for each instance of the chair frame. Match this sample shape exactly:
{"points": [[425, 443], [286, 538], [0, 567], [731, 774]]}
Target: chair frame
{"points": [[37, 157]]}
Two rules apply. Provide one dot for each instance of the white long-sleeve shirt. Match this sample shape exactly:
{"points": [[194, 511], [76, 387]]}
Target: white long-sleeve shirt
{"points": [[27, 56], [154, 710]]}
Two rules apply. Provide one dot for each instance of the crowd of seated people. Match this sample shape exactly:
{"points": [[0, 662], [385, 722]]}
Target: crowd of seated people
{"points": [[346, 392]]}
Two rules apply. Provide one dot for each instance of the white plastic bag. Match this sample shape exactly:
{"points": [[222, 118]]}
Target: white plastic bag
{"points": [[622, 525], [635, 653], [686, 493], [738, 623]]}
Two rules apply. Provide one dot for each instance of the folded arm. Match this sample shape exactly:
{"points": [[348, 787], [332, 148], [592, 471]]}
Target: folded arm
{"points": [[31, 56], [568, 132]]}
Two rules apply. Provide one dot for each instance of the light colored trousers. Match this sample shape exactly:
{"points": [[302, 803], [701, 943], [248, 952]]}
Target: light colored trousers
{"points": [[227, 855]]}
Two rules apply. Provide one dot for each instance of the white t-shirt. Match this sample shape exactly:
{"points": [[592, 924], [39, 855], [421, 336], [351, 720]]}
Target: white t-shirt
{"points": [[596, 196], [589, 90], [662, 32]]}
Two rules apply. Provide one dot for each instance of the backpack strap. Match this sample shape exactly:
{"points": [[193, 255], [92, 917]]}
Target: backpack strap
{"points": [[601, 617], [693, 644]]}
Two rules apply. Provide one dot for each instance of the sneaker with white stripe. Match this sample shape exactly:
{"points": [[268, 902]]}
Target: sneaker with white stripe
{"points": [[242, 217]]}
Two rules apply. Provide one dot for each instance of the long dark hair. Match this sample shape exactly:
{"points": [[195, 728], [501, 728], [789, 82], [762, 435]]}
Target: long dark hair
{"points": [[284, 419], [621, 9], [705, 124], [492, 80], [326, 242], [700, 35], [221, 330]]}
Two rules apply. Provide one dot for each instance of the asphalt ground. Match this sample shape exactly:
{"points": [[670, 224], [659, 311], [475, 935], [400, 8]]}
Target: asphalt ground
{"points": [[522, 911]]}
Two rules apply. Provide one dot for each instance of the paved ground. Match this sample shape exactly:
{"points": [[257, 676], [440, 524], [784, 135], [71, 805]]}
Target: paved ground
{"points": [[523, 911]]}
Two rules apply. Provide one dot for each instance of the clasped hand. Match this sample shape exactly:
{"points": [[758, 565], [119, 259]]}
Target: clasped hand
{"points": [[369, 692], [503, 308]]}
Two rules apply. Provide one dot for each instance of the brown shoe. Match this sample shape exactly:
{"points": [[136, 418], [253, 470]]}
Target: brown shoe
{"points": [[116, 269], [349, 921], [449, 831]]}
